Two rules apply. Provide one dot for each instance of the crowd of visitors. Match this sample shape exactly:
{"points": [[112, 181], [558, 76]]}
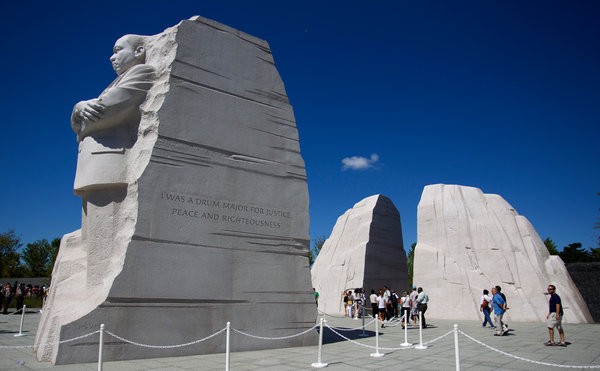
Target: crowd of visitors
{"points": [[18, 292], [498, 304], [387, 305]]}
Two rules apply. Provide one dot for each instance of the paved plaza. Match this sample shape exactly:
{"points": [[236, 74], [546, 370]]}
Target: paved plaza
{"points": [[524, 342]]}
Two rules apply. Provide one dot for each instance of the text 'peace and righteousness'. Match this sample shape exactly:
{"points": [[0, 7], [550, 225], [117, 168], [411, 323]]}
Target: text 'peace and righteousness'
{"points": [[223, 211]]}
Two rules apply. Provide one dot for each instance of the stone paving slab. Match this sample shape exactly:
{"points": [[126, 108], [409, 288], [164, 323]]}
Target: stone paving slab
{"points": [[524, 340]]}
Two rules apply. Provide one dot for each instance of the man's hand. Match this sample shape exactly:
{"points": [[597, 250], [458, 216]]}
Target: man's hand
{"points": [[89, 110]]}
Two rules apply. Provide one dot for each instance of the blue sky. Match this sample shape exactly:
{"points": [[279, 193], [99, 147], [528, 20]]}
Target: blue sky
{"points": [[502, 96]]}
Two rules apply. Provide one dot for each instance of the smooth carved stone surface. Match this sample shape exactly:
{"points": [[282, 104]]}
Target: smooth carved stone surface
{"points": [[212, 224], [469, 241], [365, 250]]}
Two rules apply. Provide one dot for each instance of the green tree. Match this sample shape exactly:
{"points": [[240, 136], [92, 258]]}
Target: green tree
{"points": [[410, 259], [595, 254], [574, 253], [38, 258], [316, 248], [10, 261], [551, 246]]}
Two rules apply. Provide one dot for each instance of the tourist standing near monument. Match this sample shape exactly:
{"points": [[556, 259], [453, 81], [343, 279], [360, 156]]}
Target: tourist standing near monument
{"points": [[381, 307], [6, 297], [485, 306], [387, 296], [405, 302], [499, 305], [422, 301], [413, 304], [554, 317], [374, 305]]}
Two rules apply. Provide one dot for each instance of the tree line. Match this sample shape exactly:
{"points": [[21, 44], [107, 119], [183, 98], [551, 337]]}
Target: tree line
{"points": [[36, 259]]}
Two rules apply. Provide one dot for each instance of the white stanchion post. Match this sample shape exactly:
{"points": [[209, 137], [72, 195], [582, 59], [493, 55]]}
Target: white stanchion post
{"points": [[406, 343], [377, 354], [363, 323], [320, 364], [100, 347], [421, 346], [227, 339], [22, 318], [456, 352]]}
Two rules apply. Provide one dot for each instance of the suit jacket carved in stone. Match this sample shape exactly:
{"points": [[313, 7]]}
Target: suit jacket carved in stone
{"points": [[102, 142]]}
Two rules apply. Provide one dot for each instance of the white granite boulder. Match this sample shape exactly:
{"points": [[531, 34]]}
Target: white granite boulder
{"points": [[365, 250], [469, 241], [206, 221]]}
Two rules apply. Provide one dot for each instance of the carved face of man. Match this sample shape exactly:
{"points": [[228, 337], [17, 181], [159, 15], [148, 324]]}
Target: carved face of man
{"points": [[126, 54]]}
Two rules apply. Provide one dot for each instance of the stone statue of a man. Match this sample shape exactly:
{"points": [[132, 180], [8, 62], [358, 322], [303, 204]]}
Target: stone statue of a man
{"points": [[106, 126]]}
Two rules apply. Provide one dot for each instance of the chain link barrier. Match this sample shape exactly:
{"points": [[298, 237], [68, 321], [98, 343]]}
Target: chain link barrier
{"points": [[384, 348], [274, 338], [333, 329], [46, 344], [355, 328], [525, 359], [164, 346]]}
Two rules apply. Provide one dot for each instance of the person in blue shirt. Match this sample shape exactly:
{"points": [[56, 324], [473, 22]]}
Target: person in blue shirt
{"points": [[499, 305], [554, 317]]}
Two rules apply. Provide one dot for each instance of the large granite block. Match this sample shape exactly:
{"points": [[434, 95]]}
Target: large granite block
{"points": [[365, 250], [469, 241], [207, 221]]}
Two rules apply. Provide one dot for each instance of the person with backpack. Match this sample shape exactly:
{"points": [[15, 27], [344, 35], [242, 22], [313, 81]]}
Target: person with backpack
{"points": [[485, 306]]}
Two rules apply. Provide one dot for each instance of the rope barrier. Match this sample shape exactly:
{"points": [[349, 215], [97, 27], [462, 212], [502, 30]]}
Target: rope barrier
{"points": [[522, 358]]}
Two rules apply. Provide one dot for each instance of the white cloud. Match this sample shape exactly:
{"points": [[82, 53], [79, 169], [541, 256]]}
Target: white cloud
{"points": [[359, 162]]}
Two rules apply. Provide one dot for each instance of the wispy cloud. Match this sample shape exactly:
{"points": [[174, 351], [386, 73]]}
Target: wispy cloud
{"points": [[359, 162]]}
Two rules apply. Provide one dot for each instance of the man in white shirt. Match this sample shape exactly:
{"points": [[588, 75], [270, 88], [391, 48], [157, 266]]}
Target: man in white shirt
{"points": [[374, 306], [422, 300]]}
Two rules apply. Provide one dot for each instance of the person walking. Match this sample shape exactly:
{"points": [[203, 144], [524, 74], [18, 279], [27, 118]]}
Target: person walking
{"points": [[485, 306], [499, 308], [554, 317], [413, 303], [422, 301]]}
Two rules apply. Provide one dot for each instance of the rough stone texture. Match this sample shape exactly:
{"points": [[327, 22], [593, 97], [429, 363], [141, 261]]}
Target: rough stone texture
{"points": [[365, 250], [587, 278], [212, 225], [468, 241]]}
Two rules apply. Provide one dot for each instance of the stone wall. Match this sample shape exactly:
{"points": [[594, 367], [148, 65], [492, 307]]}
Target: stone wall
{"points": [[587, 279]]}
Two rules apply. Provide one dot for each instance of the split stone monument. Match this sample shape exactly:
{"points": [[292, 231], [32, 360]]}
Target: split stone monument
{"points": [[194, 204], [365, 250], [469, 241]]}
